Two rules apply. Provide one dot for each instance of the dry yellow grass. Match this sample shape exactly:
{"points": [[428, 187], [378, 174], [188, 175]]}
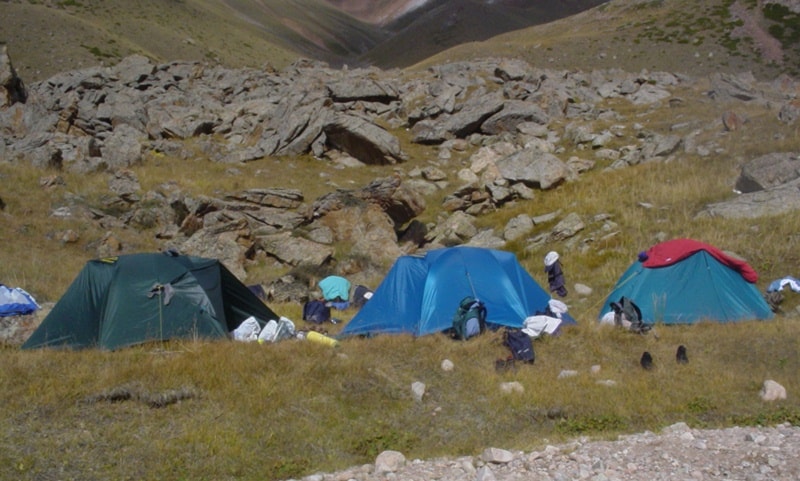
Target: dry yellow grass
{"points": [[249, 411]]}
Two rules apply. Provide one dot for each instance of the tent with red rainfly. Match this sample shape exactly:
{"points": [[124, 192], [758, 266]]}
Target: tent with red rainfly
{"points": [[684, 281]]}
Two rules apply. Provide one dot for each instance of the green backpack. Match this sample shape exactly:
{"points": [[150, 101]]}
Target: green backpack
{"points": [[469, 319]]}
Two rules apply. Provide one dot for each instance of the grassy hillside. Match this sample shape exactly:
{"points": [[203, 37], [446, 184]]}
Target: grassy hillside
{"points": [[225, 410], [675, 36], [47, 38], [447, 23]]}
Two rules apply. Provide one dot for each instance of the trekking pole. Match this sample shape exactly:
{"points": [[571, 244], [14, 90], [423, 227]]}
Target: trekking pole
{"points": [[160, 317], [597, 303], [471, 286]]}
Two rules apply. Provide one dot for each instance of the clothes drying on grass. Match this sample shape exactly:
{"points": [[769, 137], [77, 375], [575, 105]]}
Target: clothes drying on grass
{"points": [[549, 321], [779, 284], [335, 292], [335, 289], [14, 301], [555, 274]]}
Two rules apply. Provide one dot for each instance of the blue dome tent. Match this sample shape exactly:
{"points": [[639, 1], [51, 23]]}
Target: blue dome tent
{"points": [[420, 294]]}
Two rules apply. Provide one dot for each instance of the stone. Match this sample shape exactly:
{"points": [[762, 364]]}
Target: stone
{"points": [[389, 462], [511, 387], [418, 390], [447, 365], [497, 456], [772, 391]]}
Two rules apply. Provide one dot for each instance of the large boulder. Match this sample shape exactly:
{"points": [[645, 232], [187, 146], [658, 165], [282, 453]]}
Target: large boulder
{"points": [[768, 171], [295, 251], [775, 201], [12, 90], [534, 168], [364, 140], [367, 231]]}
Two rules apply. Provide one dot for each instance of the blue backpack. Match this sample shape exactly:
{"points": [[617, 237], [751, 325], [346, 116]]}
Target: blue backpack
{"points": [[316, 311]]}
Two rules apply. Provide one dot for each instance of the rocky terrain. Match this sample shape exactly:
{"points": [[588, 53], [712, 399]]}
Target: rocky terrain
{"points": [[677, 453], [498, 131]]}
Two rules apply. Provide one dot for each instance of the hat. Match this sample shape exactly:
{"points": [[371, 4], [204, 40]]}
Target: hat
{"points": [[550, 258]]}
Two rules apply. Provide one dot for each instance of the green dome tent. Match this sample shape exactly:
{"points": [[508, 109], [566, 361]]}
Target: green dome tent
{"points": [[132, 299], [683, 281]]}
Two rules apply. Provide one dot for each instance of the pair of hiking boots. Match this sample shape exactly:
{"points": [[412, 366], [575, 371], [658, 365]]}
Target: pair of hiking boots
{"points": [[681, 357]]}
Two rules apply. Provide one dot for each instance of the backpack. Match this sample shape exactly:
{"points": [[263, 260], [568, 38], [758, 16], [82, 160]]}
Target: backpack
{"points": [[627, 310], [316, 311], [361, 294], [469, 319], [520, 344]]}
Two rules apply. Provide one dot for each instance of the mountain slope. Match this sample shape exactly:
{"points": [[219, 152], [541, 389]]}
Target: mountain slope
{"points": [[446, 23], [47, 38], [680, 35], [676, 36], [377, 12], [44, 39]]}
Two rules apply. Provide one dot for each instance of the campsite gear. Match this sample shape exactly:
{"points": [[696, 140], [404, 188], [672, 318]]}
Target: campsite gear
{"points": [[275, 331], [502, 365], [779, 284], [774, 299], [316, 311], [520, 344], [646, 361], [268, 333], [335, 289], [628, 315], [555, 274], [112, 303], [548, 321], [338, 305], [419, 293], [259, 291], [16, 302], [680, 355], [361, 294], [321, 339], [469, 319], [248, 330], [684, 281], [534, 326]]}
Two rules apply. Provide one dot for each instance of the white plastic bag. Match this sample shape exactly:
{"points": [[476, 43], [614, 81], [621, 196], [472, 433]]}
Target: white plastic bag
{"points": [[248, 330], [285, 329], [269, 331], [275, 331]]}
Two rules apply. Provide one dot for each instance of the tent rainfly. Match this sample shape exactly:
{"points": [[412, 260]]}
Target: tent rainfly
{"points": [[420, 294], [684, 281], [132, 299]]}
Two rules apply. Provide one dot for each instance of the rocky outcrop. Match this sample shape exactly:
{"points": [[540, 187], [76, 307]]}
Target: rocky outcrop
{"points": [[768, 171], [767, 185], [505, 123], [12, 90]]}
